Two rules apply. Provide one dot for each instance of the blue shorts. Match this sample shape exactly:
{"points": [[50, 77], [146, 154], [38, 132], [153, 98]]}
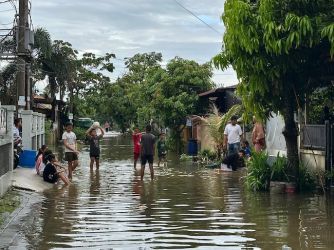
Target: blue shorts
{"points": [[233, 148]]}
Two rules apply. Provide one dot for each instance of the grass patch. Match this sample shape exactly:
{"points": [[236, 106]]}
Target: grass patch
{"points": [[8, 203]]}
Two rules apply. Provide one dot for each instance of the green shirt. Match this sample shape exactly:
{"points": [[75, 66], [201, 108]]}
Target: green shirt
{"points": [[161, 147]]}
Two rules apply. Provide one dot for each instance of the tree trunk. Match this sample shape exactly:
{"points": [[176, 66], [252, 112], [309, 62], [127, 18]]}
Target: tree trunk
{"points": [[52, 81], [290, 133], [71, 95]]}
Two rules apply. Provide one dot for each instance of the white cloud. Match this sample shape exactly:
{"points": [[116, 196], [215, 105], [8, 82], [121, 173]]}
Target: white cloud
{"points": [[135, 26]]}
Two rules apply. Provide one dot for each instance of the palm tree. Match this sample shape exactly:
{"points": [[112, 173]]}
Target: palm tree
{"points": [[216, 123]]}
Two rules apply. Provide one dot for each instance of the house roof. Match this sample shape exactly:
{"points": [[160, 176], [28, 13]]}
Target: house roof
{"points": [[214, 92], [46, 100]]}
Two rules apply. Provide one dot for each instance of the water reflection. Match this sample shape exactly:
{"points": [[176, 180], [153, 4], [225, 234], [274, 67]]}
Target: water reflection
{"points": [[186, 206]]}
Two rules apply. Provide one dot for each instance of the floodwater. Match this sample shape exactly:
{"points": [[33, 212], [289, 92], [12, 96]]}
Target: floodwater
{"points": [[186, 206]]}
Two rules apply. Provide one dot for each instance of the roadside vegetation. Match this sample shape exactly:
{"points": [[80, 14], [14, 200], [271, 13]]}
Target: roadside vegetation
{"points": [[8, 203]]}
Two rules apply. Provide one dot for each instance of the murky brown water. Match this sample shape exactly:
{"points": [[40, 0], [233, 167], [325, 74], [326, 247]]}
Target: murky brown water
{"points": [[184, 207]]}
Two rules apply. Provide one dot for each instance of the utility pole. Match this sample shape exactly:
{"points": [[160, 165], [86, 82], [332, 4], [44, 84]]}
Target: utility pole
{"points": [[22, 53]]}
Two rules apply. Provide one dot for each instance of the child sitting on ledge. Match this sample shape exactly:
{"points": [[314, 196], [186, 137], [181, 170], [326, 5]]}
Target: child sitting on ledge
{"points": [[53, 171]]}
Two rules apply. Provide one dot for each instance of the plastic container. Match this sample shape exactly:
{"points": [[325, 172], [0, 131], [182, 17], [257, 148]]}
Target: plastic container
{"points": [[192, 147], [27, 158], [277, 187], [290, 188]]}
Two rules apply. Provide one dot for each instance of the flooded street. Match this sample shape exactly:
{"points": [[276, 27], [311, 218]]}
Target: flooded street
{"points": [[186, 206]]}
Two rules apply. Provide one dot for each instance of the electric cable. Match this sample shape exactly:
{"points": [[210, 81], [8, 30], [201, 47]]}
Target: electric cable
{"points": [[197, 17]]}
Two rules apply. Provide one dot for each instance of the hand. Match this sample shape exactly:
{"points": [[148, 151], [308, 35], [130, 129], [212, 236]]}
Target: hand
{"points": [[224, 147]]}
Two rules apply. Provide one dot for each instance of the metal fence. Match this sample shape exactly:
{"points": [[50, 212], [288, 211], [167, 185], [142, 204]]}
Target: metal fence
{"points": [[313, 136]]}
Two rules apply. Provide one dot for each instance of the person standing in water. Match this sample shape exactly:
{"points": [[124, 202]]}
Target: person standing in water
{"points": [[147, 151], [107, 126], [136, 137], [162, 151], [94, 145], [258, 135], [232, 136], [71, 152]]}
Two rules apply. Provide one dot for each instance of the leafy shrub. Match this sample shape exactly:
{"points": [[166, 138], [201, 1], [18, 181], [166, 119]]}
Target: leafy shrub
{"points": [[185, 157], [207, 155], [279, 169], [307, 179], [80, 133], [258, 172]]}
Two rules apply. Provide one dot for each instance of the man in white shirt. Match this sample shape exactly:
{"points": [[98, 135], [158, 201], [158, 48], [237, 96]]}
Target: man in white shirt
{"points": [[232, 136]]}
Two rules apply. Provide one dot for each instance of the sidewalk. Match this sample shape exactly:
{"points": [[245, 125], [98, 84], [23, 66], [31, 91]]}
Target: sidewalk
{"points": [[27, 179]]}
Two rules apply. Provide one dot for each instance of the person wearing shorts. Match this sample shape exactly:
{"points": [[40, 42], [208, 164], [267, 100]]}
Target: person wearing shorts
{"points": [[71, 152], [136, 137], [53, 171], [147, 151], [94, 146], [161, 146]]}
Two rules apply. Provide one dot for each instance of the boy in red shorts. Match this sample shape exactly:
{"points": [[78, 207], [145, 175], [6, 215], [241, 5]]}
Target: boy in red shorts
{"points": [[136, 137]]}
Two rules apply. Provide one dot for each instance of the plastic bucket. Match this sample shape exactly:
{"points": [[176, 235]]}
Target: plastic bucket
{"points": [[192, 147], [290, 188], [27, 158]]}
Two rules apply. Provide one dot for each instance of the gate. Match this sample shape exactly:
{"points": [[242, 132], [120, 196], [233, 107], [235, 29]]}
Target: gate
{"points": [[329, 163]]}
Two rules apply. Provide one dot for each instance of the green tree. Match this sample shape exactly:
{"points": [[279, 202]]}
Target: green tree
{"points": [[281, 50], [176, 93], [127, 98], [7, 84]]}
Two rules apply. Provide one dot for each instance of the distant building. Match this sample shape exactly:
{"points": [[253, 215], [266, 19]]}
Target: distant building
{"points": [[224, 98]]}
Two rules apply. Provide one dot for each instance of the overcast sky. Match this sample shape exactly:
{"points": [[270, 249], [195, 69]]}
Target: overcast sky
{"points": [[127, 27]]}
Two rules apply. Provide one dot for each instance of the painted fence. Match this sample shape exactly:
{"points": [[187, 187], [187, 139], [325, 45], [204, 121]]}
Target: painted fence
{"points": [[33, 129], [33, 137], [6, 147]]}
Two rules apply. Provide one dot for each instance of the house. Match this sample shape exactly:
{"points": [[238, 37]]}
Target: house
{"points": [[223, 98], [53, 109]]}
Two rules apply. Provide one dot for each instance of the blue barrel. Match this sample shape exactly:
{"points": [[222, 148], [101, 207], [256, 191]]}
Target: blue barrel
{"points": [[192, 147], [27, 158]]}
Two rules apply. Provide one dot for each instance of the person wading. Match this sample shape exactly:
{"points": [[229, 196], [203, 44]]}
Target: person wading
{"points": [[71, 152], [258, 136], [147, 151], [232, 136]]}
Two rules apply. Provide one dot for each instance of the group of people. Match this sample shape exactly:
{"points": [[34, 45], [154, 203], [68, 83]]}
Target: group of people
{"points": [[48, 167], [144, 148], [144, 145], [51, 170], [238, 149]]}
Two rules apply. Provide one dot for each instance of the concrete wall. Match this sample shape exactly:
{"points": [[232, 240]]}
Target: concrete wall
{"points": [[6, 148], [313, 159]]}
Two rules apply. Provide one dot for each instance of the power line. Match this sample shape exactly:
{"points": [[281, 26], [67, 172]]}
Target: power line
{"points": [[197, 17]]}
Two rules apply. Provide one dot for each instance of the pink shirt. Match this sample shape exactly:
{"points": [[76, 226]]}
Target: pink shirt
{"points": [[38, 163]]}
